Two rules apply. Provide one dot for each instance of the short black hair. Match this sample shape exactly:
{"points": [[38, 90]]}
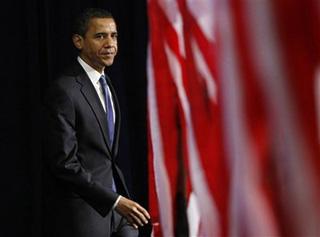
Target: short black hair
{"points": [[81, 22]]}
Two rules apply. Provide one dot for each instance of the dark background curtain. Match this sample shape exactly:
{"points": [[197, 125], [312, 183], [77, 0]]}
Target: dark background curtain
{"points": [[36, 46]]}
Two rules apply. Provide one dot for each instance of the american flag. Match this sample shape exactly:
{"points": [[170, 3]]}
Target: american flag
{"points": [[233, 116]]}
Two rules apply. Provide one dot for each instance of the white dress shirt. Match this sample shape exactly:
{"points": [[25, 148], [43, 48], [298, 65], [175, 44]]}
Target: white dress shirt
{"points": [[94, 76]]}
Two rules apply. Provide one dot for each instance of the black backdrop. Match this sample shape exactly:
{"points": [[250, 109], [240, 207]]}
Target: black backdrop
{"points": [[35, 46]]}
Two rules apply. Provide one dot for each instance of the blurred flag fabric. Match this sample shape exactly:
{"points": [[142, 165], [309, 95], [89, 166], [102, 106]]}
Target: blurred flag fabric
{"points": [[233, 117]]}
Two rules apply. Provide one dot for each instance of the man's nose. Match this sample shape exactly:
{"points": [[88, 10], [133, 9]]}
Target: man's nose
{"points": [[108, 41]]}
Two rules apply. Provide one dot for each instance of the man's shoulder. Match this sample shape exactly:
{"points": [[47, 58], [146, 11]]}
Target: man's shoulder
{"points": [[68, 77]]}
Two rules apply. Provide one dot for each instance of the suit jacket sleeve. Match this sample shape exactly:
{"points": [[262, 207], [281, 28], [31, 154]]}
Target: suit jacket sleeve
{"points": [[61, 147]]}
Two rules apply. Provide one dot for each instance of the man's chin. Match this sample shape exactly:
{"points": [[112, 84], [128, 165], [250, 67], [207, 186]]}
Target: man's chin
{"points": [[108, 62]]}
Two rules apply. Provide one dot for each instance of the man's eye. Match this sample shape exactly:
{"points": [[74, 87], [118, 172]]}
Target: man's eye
{"points": [[100, 37], [115, 36]]}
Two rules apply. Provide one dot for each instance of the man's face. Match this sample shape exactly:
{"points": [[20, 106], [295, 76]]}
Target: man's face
{"points": [[99, 45]]}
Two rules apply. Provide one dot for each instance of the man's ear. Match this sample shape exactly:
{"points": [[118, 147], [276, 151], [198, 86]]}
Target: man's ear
{"points": [[77, 41]]}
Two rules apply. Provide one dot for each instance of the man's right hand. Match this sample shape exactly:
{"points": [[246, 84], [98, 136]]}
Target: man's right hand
{"points": [[135, 214]]}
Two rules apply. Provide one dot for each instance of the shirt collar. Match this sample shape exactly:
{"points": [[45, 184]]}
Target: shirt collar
{"points": [[93, 74]]}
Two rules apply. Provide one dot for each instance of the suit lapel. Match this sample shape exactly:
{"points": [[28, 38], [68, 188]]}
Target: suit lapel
{"points": [[93, 100]]}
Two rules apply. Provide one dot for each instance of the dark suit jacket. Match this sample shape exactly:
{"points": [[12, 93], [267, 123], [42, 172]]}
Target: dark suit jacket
{"points": [[79, 164]]}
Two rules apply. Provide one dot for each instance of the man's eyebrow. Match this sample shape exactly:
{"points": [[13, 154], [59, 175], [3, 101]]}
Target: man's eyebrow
{"points": [[98, 34], [105, 33]]}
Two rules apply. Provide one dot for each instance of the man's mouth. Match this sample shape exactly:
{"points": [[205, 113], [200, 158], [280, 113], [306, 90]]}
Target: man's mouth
{"points": [[108, 54]]}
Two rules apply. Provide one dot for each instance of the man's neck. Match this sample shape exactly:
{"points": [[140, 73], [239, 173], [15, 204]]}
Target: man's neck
{"points": [[100, 70]]}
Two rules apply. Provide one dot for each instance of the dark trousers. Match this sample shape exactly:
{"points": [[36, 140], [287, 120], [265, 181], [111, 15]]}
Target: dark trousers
{"points": [[73, 217], [121, 228]]}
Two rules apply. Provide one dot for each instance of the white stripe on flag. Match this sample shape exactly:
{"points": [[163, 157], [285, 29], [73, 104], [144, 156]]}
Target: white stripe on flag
{"points": [[171, 9], [193, 215], [203, 12], [203, 69]]}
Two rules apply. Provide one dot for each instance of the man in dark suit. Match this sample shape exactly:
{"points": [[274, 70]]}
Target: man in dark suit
{"points": [[85, 192]]}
